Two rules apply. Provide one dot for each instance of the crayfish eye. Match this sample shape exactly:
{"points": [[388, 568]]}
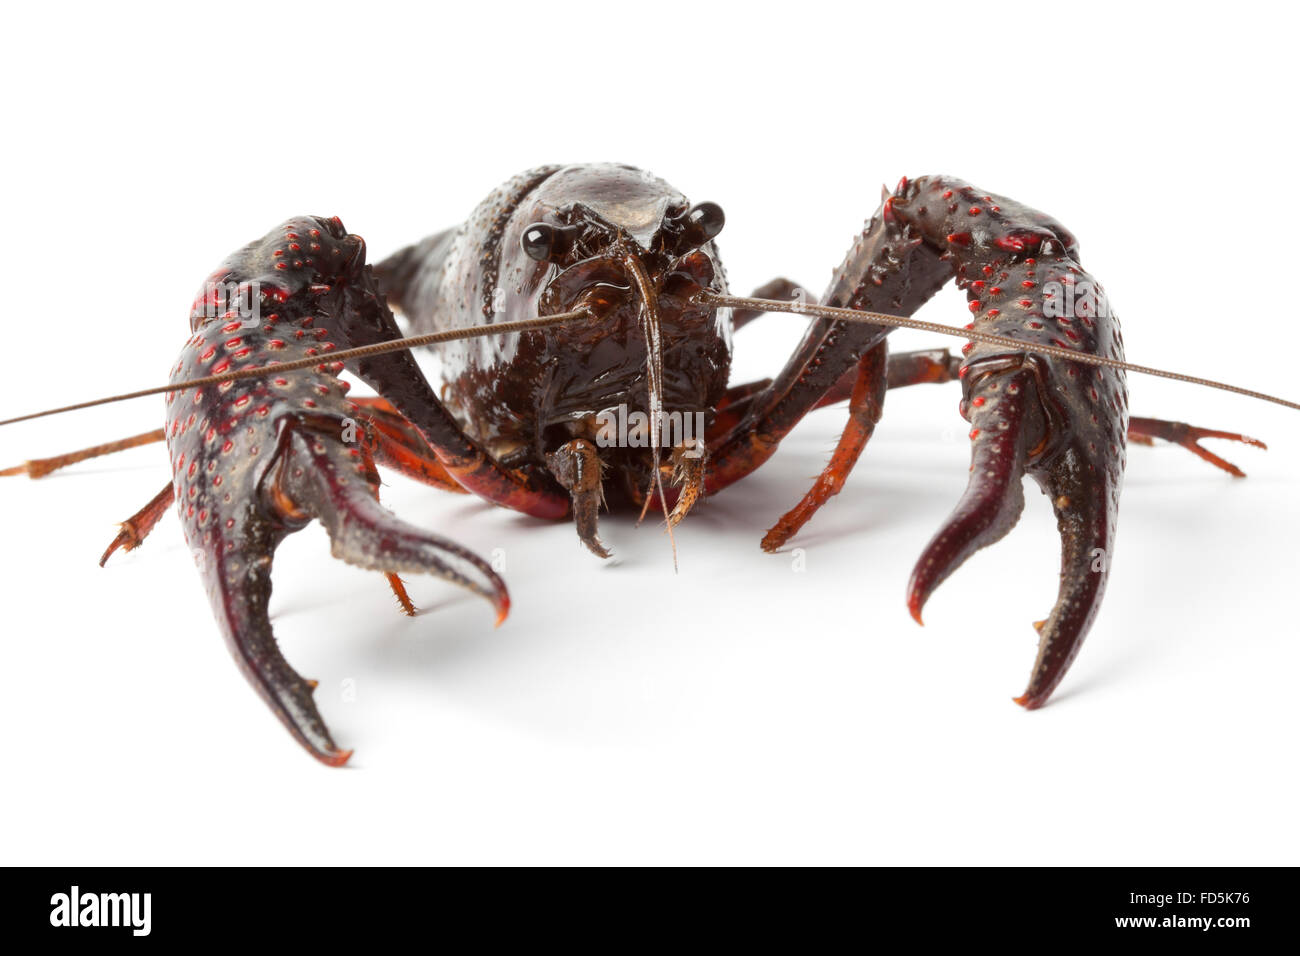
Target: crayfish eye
{"points": [[704, 221], [538, 241]]}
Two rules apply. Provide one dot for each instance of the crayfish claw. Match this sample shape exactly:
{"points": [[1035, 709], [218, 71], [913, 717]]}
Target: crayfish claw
{"points": [[1085, 499], [1081, 477], [994, 498], [321, 478], [238, 580]]}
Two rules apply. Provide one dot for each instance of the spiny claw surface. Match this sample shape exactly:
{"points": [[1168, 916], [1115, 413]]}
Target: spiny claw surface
{"points": [[1059, 422], [255, 460]]}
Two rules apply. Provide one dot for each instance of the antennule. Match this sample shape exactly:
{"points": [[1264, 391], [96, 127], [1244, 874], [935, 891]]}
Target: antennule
{"points": [[880, 318]]}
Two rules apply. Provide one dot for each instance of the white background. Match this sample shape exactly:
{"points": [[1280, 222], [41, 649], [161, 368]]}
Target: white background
{"points": [[738, 711]]}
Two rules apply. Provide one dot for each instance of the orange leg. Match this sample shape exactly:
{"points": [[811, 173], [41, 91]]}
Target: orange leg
{"points": [[1144, 431], [864, 387], [397, 445], [137, 527], [394, 582], [865, 406], [40, 467]]}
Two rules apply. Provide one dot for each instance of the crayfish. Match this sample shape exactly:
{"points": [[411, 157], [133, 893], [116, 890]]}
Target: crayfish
{"points": [[578, 311]]}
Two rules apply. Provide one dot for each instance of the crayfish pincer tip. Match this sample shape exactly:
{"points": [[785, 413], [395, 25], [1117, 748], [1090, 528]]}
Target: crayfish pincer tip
{"points": [[1028, 702], [336, 758], [502, 606], [914, 604]]}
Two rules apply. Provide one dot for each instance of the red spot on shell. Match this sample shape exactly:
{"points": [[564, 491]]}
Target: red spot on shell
{"points": [[978, 401]]}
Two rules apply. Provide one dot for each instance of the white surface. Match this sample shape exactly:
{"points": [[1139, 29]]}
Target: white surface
{"points": [[738, 711]]}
